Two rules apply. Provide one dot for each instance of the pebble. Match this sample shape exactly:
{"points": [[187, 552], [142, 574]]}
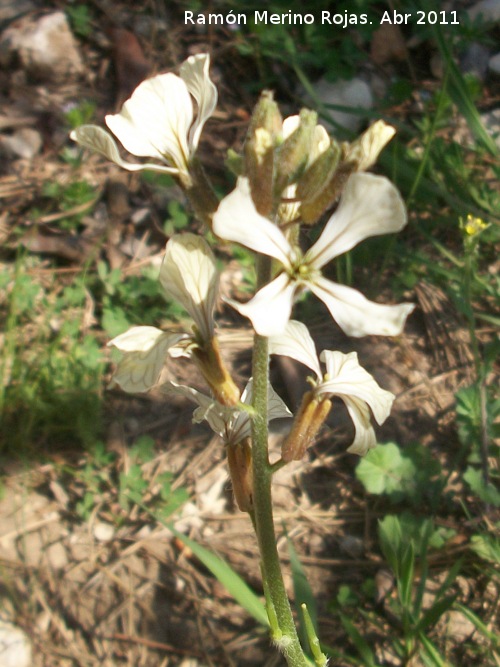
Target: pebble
{"points": [[44, 46], [15, 647], [103, 532], [494, 64], [355, 93], [24, 143], [474, 60], [488, 10]]}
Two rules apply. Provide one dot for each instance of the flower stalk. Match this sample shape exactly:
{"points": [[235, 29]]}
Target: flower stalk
{"points": [[287, 639]]}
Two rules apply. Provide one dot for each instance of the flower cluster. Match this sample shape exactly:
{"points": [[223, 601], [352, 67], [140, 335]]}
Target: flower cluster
{"points": [[292, 172]]}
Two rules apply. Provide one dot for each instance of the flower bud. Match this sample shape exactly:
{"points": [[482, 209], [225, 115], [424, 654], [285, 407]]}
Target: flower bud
{"points": [[309, 419], [366, 149], [293, 154], [312, 208], [209, 361], [239, 458], [319, 173], [262, 137]]}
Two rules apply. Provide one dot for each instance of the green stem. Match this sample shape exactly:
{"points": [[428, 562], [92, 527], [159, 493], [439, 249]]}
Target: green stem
{"points": [[287, 639]]}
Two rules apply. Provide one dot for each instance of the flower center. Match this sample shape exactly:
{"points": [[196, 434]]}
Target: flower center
{"points": [[302, 271]]}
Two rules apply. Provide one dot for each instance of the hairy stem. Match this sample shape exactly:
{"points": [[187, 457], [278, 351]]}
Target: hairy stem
{"points": [[286, 635]]}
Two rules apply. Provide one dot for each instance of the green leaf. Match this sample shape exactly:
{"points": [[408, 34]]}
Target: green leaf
{"points": [[493, 637], [303, 593], [410, 473], [485, 492], [362, 646], [385, 470], [432, 652], [460, 94], [224, 573], [486, 547]]}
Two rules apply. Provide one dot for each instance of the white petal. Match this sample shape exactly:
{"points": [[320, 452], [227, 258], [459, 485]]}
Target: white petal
{"points": [[188, 275], [229, 424], [347, 378], [98, 140], [144, 351], [290, 124], [276, 407], [194, 73], [321, 141], [357, 316], [269, 310], [370, 205], [367, 148], [237, 220], [155, 121], [365, 437], [296, 342]]}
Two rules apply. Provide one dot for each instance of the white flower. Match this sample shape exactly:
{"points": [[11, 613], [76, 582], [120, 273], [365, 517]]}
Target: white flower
{"points": [[370, 205], [344, 378], [157, 120], [231, 424], [188, 274]]}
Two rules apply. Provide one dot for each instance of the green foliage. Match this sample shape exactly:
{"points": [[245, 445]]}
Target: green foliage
{"points": [[487, 547], [102, 487], [67, 198], [224, 573], [80, 18], [486, 492], [81, 114], [409, 474], [303, 596], [312, 48], [131, 300], [50, 366], [178, 219]]}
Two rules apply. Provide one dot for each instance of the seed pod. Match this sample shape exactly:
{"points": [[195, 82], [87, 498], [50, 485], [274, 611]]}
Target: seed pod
{"points": [[239, 458], [309, 419]]}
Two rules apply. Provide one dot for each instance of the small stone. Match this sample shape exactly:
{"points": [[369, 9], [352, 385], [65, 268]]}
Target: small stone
{"points": [[474, 60], [352, 546], [355, 93], [103, 532], [24, 143], [15, 647], [494, 64], [45, 47], [388, 44], [491, 121], [488, 10]]}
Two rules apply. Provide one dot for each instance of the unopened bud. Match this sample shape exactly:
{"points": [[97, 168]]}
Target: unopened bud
{"points": [[239, 459], [294, 153], [319, 173], [366, 149], [262, 138], [208, 359], [311, 209], [309, 419]]}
